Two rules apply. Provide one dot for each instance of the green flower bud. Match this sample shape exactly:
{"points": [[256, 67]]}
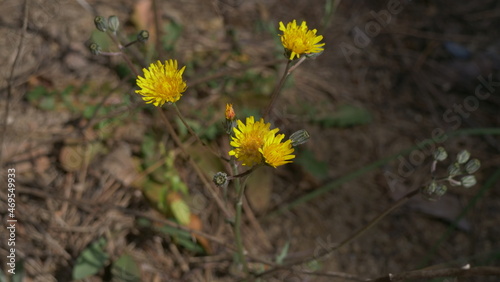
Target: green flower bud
{"points": [[429, 190], [440, 154], [143, 36], [113, 23], [100, 23], [472, 166], [454, 169], [94, 48], [468, 181], [440, 190], [434, 190], [220, 179], [463, 156], [299, 137]]}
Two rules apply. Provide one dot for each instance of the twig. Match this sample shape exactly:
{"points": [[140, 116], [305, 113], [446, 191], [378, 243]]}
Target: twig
{"points": [[435, 273], [326, 251]]}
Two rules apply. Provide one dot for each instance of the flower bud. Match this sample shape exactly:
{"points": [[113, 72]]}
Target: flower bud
{"points": [[468, 181], [440, 154], [100, 23], [454, 169], [220, 179], [299, 137], [94, 48], [434, 190], [472, 166], [143, 36], [463, 156], [113, 23], [230, 115], [440, 190]]}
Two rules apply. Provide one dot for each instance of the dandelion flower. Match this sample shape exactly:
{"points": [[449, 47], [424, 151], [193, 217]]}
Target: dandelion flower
{"points": [[299, 40], [249, 139], [162, 83], [276, 153]]}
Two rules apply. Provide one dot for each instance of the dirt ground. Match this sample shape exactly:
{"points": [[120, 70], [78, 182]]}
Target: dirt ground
{"points": [[412, 67]]}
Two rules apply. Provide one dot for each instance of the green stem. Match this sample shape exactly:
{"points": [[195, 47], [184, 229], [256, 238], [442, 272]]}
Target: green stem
{"points": [[374, 165], [237, 220], [277, 90]]}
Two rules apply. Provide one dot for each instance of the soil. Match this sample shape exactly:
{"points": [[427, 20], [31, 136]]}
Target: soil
{"points": [[393, 73]]}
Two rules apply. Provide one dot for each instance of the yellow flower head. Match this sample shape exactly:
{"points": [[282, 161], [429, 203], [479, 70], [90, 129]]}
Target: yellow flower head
{"points": [[276, 153], [162, 83], [299, 40], [255, 143], [248, 139]]}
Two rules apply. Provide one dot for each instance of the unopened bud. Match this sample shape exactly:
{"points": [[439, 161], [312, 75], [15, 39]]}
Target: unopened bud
{"points": [[94, 48], [100, 23], [434, 190], [220, 179], [230, 115], [454, 169], [440, 154], [472, 166], [143, 36], [468, 181], [113, 23], [463, 156], [299, 137]]}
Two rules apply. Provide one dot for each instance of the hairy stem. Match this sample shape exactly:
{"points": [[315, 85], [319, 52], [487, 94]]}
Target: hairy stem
{"points": [[237, 220]]}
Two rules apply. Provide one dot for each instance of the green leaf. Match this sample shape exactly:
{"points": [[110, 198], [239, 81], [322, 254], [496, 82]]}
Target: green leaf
{"points": [[91, 260], [19, 276], [182, 238], [345, 116], [181, 211], [126, 269], [36, 93], [307, 160], [48, 103], [282, 255]]}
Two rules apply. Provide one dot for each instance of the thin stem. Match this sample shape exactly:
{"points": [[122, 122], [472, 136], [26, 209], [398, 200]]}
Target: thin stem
{"points": [[372, 223], [191, 131], [237, 221], [242, 174], [130, 43], [203, 178], [124, 56], [326, 251], [277, 90]]}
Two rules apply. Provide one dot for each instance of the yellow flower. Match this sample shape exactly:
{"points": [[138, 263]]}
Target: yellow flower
{"points": [[249, 139], [276, 153], [162, 83], [299, 40]]}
